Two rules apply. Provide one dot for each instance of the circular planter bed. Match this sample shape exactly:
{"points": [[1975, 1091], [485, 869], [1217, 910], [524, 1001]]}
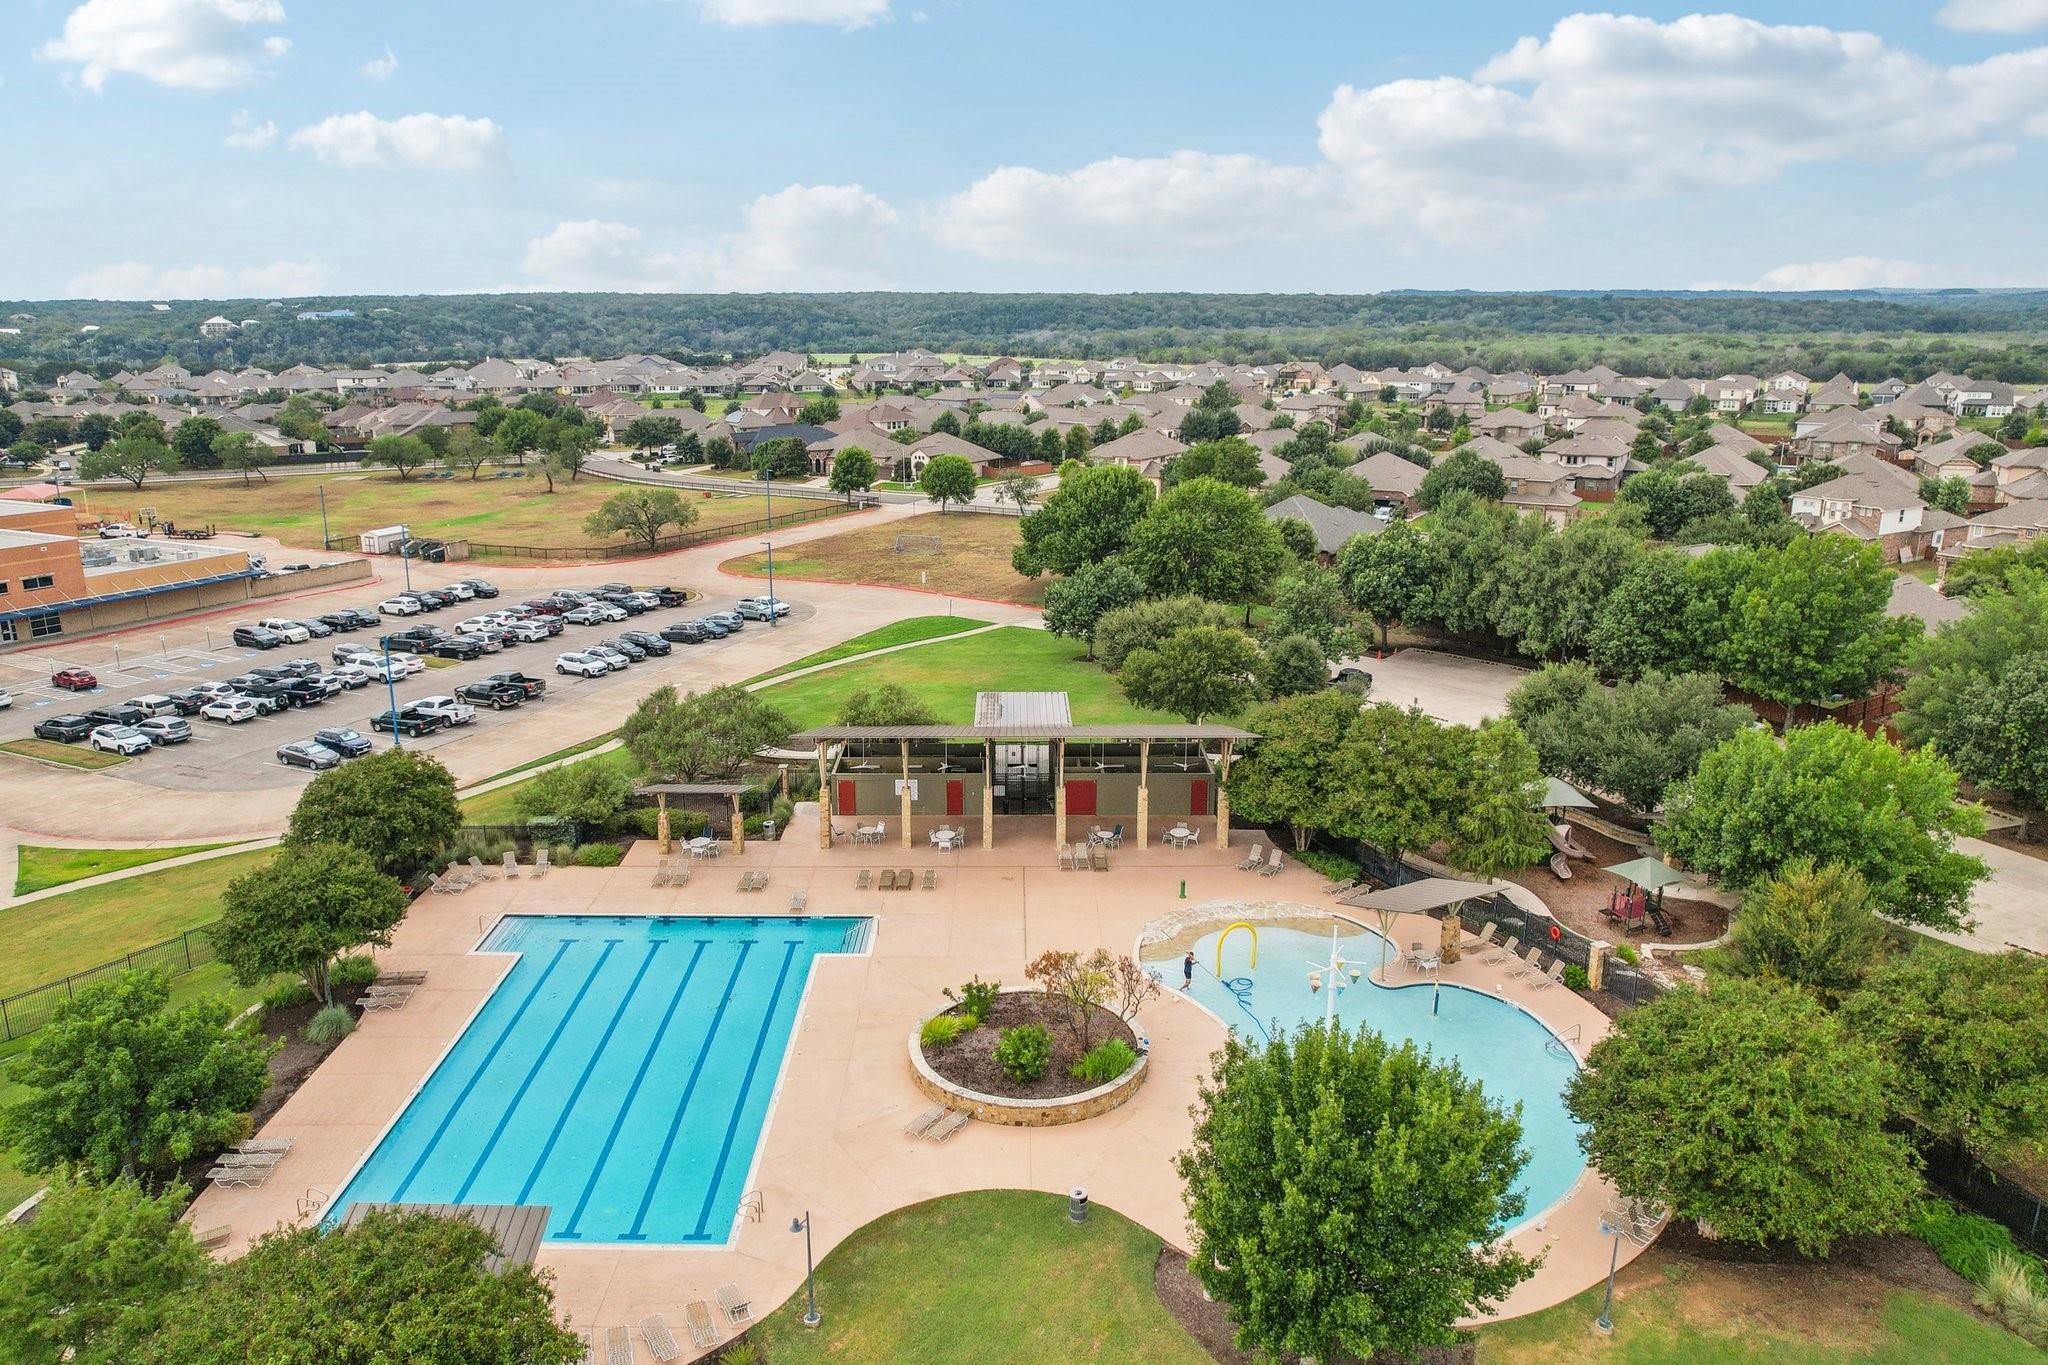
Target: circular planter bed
{"points": [[964, 1074]]}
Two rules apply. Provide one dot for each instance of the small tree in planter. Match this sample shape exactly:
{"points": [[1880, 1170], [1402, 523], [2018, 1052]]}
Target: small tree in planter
{"points": [[1086, 984]]}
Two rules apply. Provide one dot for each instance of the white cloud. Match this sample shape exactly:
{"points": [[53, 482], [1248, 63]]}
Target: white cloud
{"points": [[802, 237], [1994, 16], [183, 44], [247, 135], [755, 13], [1131, 209], [1849, 272], [381, 68], [135, 280], [438, 142]]}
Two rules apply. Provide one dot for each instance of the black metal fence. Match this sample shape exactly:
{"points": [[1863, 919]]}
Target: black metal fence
{"points": [[1951, 1168], [24, 1012], [682, 540]]}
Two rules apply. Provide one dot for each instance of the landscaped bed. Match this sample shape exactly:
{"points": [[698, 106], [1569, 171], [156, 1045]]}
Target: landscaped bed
{"points": [[970, 1062]]}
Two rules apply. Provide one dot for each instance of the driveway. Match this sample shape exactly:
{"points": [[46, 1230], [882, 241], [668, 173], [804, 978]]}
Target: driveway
{"points": [[2011, 906]]}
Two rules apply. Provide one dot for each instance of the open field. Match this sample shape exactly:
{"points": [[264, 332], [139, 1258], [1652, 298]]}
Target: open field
{"points": [[501, 807], [946, 675], [992, 1277], [499, 511], [974, 560], [41, 868], [897, 633]]}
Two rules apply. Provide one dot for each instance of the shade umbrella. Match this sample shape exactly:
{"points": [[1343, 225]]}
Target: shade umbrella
{"points": [[1564, 796]]}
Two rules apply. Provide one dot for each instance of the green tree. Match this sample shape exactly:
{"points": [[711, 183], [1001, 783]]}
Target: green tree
{"points": [[1463, 470], [785, 457], [2000, 735], [397, 805], [238, 453], [519, 433], [300, 420], [131, 458], [651, 433], [1672, 499], [1951, 494], [1750, 1109], [641, 513], [1973, 692], [947, 478], [311, 904], [1477, 549], [853, 471], [193, 440], [1075, 446], [1648, 621], [1196, 672], [885, 703], [1387, 576], [1830, 794], [701, 736], [1995, 570], [1076, 603], [1231, 460], [1808, 622], [1633, 741], [396, 1286], [24, 453], [94, 429], [1348, 1196], [1309, 600], [1967, 1042], [1143, 625], [1286, 777], [592, 793], [1206, 538], [1299, 537], [1810, 926], [1551, 606], [87, 1279], [1400, 777], [1295, 664], [564, 447], [468, 451], [1089, 518], [117, 1084], [141, 426], [400, 454], [1494, 824], [818, 411]]}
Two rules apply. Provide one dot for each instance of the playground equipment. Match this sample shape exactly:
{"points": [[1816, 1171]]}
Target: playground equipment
{"points": [[1223, 937], [1566, 848]]}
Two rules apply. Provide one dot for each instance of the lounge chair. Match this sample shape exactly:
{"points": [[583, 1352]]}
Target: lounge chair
{"points": [[931, 879], [386, 1000], [1339, 888], [948, 1126], [1098, 858], [478, 871], [618, 1346], [249, 1177], [461, 879], [679, 875], [1505, 951], [1273, 865], [234, 1158], [213, 1238], [264, 1145], [737, 1309], [922, 1124], [1528, 964], [664, 873], [703, 1330], [904, 881], [540, 862], [511, 864], [865, 880], [654, 1331], [1551, 977], [439, 887], [1066, 860], [1474, 942], [799, 902], [888, 879], [1257, 856]]}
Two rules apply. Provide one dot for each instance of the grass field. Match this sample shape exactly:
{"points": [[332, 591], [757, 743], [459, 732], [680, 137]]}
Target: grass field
{"points": [[501, 807], [497, 511], [997, 1277], [41, 868], [947, 674], [974, 560], [70, 755], [897, 633]]}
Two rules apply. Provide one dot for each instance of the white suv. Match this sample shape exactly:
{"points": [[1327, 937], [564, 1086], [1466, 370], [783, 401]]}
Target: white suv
{"points": [[232, 710], [293, 632], [120, 739], [582, 665], [399, 606]]}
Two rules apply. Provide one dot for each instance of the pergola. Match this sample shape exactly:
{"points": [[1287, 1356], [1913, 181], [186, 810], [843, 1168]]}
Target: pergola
{"points": [[662, 791], [1650, 874]]}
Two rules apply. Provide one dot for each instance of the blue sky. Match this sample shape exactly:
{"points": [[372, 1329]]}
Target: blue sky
{"points": [[283, 147]]}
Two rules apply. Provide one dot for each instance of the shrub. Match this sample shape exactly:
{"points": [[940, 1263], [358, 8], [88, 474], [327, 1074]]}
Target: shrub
{"points": [[1968, 1242], [1331, 865], [1106, 1061], [287, 994], [360, 969], [2012, 1290], [1575, 978], [741, 1353], [781, 812], [941, 1029], [560, 854], [1627, 953], [1023, 1052], [977, 998], [599, 855], [330, 1026], [752, 824]]}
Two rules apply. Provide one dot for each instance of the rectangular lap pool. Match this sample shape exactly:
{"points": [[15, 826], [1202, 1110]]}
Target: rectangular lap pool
{"points": [[620, 1074]]}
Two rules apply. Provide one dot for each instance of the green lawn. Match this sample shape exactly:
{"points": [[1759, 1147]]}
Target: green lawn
{"points": [[501, 807], [53, 938], [900, 633], [41, 868], [948, 674], [70, 755], [986, 1278]]}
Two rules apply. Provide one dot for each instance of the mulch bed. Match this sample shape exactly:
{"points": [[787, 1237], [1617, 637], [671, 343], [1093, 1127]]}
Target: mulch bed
{"points": [[969, 1061], [1580, 903]]}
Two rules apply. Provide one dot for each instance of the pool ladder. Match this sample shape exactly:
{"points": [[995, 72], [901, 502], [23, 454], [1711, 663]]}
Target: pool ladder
{"points": [[312, 1201], [1563, 1044], [751, 1207]]}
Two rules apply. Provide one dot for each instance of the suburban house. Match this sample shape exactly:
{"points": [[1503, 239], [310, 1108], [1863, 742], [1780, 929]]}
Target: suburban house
{"points": [[1394, 481], [1949, 458], [1334, 526], [1839, 392], [1146, 451], [1876, 501], [1731, 464], [1674, 395], [1851, 433], [1511, 425]]}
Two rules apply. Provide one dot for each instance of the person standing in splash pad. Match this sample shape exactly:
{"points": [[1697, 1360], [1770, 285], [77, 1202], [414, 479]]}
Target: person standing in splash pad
{"points": [[1187, 970]]}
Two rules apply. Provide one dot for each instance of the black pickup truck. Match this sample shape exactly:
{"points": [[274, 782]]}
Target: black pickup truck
{"points": [[531, 686], [495, 695], [406, 722]]}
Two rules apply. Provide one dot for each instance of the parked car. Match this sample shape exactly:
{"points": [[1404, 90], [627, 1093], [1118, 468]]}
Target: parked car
{"points": [[648, 641], [433, 599], [120, 530], [545, 606], [619, 644], [119, 739], [69, 729], [306, 753], [166, 729], [154, 704], [761, 608], [117, 713], [480, 587], [497, 696], [296, 693], [399, 606], [412, 664], [1352, 680], [363, 619], [685, 633], [618, 662], [344, 741], [669, 597], [731, 620], [211, 691], [373, 667], [458, 590], [531, 686], [74, 679], [265, 704], [611, 611], [256, 637], [316, 627], [581, 665], [347, 678], [461, 647], [712, 626], [230, 710], [188, 700], [406, 722], [447, 708], [6, 699], [528, 632], [343, 621], [290, 631], [586, 616]]}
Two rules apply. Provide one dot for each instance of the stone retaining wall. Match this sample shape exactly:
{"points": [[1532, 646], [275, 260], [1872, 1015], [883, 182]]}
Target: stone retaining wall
{"points": [[1014, 1113]]}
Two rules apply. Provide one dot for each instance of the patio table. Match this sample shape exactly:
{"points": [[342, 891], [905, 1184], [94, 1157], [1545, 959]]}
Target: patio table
{"points": [[1180, 836]]}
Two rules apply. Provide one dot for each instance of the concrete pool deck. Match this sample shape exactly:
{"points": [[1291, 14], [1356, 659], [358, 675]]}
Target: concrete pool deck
{"points": [[833, 1143]]}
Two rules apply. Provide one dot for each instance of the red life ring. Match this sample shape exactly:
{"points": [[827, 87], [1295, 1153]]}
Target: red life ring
{"points": [[1555, 933]]}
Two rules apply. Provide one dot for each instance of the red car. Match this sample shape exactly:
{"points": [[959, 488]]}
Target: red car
{"points": [[74, 680]]}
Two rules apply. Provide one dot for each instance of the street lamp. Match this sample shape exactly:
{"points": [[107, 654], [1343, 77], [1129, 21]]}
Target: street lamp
{"points": [[774, 612], [405, 553], [391, 692], [803, 1225], [1605, 1322]]}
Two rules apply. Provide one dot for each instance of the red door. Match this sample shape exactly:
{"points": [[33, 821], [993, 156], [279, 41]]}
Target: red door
{"points": [[956, 798], [1081, 798], [846, 801], [1198, 796]]}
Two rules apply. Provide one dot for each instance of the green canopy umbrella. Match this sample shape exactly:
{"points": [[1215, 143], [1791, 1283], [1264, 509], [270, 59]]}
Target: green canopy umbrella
{"points": [[1563, 796], [1648, 873]]}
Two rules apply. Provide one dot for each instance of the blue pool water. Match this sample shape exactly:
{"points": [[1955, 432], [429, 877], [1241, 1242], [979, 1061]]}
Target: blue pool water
{"points": [[1513, 1057], [621, 1074]]}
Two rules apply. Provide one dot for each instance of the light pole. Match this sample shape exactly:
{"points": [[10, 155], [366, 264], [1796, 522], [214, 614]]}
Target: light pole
{"points": [[1605, 1322], [774, 608], [405, 553], [391, 691], [324, 537], [803, 1225]]}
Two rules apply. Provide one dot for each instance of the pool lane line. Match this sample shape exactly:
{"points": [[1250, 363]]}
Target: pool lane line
{"points": [[739, 1105], [597, 1055], [539, 1060], [668, 1015], [476, 1074], [675, 1123]]}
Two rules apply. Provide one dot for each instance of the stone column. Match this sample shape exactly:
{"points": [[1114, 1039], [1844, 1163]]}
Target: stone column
{"points": [[1144, 793], [1596, 964], [1450, 939], [824, 800], [661, 833], [988, 793], [1223, 798], [739, 826], [906, 793]]}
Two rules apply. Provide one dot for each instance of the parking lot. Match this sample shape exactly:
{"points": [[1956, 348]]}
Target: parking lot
{"points": [[242, 757]]}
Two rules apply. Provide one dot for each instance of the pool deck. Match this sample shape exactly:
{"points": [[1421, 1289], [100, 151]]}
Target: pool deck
{"points": [[834, 1143]]}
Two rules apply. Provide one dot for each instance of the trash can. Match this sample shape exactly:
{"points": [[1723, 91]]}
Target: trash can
{"points": [[1077, 1205]]}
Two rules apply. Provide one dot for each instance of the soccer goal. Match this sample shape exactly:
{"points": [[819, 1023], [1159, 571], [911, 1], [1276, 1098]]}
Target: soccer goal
{"points": [[919, 545]]}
